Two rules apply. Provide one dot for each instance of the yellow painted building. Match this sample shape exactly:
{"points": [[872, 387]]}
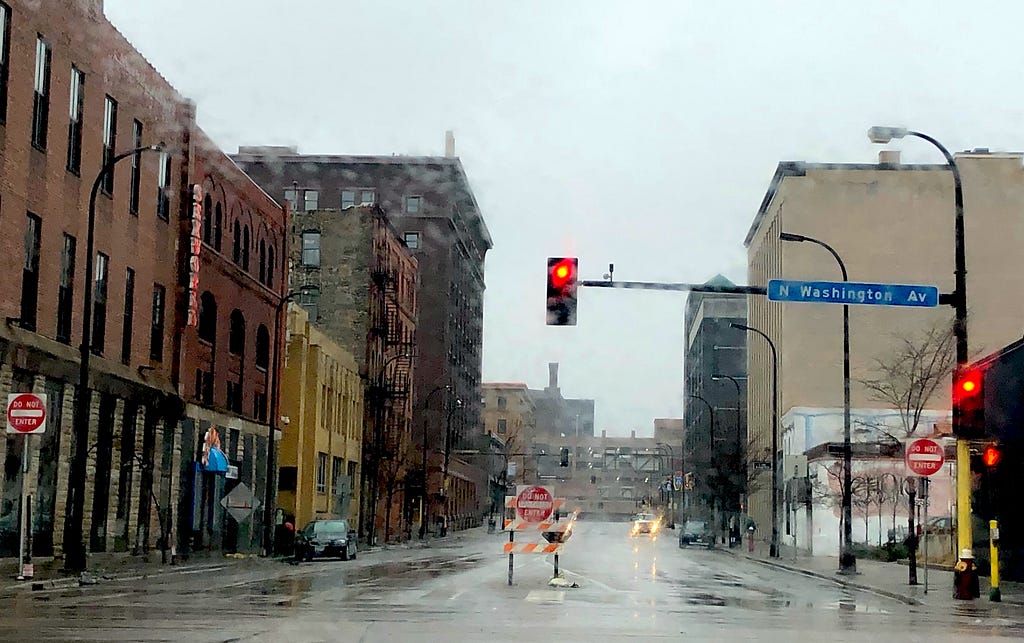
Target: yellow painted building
{"points": [[321, 445]]}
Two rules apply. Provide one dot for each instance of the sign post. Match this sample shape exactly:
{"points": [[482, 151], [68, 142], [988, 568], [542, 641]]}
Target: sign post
{"points": [[924, 457], [26, 415]]}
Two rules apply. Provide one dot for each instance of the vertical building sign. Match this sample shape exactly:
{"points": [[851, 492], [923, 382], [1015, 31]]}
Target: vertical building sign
{"points": [[196, 239]]}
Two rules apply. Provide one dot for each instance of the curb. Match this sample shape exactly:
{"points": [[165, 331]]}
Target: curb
{"points": [[903, 598], [66, 582]]}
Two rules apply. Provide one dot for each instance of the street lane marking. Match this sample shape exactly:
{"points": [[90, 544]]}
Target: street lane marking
{"points": [[590, 580], [545, 596]]}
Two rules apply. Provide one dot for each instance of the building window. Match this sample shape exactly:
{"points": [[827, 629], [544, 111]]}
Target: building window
{"points": [[321, 473], [208, 317], [262, 348], [204, 386], [413, 203], [236, 238], [311, 249], [236, 336], [109, 142], [163, 197], [207, 224], [218, 227], [292, 197], [30, 272], [129, 316], [41, 97], [234, 397], [75, 120], [245, 247], [99, 303], [367, 197], [259, 406], [311, 199], [5, 55], [156, 325], [136, 178], [66, 290], [502, 403], [309, 298], [502, 426], [412, 240], [270, 267], [348, 199], [263, 261]]}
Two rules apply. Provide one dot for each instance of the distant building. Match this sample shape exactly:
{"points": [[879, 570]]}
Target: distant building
{"points": [[430, 202], [358, 282], [510, 419], [321, 451], [713, 348]]}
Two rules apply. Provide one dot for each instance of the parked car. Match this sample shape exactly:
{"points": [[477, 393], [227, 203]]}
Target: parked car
{"points": [[696, 532], [326, 538]]}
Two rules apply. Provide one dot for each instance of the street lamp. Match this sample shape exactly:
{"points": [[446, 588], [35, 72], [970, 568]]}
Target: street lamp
{"points": [[712, 479], [447, 456], [74, 547], [959, 301], [671, 484], [774, 549], [423, 464], [739, 437], [847, 559]]}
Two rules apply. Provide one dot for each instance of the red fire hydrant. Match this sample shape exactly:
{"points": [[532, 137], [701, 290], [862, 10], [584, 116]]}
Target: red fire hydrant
{"points": [[965, 577], [750, 539]]}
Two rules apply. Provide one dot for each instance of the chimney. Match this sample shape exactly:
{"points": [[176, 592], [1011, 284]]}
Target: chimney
{"points": [[889, 157], [604, 434], [553, 375], [449, 144], [632, 434], [93, 8]]}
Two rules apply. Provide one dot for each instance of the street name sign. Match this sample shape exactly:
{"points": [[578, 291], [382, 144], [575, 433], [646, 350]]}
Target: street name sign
{"points": [[854, 293], [26, 413], [924, 457]]}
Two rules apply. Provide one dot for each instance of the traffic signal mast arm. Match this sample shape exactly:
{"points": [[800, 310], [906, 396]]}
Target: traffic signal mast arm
{"points": [[657, 285]]}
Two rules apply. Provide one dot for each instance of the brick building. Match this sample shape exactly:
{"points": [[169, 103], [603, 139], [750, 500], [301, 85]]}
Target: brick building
{"points": [[70, 99], [431, 204], [358, 282]]}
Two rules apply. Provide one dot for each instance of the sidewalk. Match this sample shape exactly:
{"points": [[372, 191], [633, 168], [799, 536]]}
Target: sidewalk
{"points": [[885, 579]]}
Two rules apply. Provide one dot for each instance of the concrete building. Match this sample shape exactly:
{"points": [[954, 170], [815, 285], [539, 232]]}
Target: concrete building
{"points": [[321, 450], [430, 202], [712, 403], [509, 418], [890, 222], [359, 284]]}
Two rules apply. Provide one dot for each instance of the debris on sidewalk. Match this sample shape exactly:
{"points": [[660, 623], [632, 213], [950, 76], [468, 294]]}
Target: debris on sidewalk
{"points": [[559, 581]]}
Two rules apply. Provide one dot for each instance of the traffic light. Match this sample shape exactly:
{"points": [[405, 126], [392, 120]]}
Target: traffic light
{"points": [[563, 460], [969, 404], [991, 456], [562, 283]]}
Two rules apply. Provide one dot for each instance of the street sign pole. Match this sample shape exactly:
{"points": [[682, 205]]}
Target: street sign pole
{"points": [[924, 501], [24, 507]]}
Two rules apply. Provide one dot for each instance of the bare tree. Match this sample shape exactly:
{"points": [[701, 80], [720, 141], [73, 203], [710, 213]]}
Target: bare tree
{"points": [[906, 377]]}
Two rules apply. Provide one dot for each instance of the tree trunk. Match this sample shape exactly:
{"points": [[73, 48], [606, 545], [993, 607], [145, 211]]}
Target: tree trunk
{"points": [[387, 513]]}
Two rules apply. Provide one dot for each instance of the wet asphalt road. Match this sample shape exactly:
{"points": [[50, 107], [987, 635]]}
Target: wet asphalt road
{"points": [[640, 589]]}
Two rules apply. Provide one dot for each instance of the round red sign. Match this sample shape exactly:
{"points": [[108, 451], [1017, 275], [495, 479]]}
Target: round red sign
{"points": [[26, 413], [924, 457], [534, 504]]}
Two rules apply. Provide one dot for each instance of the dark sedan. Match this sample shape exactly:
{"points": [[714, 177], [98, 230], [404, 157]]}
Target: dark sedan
{"points": [[324, 539]]}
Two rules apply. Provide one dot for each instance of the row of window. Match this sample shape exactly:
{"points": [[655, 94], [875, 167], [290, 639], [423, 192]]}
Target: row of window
{"points": [[337, 471], [350, 198], [213, 232], [66, 294], [207, 330], [76, 109]]}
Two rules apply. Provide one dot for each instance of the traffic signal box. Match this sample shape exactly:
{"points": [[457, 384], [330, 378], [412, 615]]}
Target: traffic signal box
{"points": [[969, 404], [563, 280]]}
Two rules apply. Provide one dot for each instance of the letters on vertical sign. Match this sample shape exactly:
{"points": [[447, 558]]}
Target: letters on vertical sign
{"points": [[196, 247]]}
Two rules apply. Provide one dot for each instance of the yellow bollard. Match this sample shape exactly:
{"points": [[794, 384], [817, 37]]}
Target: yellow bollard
{"points": [[993, 548], [964, 537]]}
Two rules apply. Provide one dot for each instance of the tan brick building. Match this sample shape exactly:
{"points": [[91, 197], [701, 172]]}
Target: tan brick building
{"points": [[890, 223]]}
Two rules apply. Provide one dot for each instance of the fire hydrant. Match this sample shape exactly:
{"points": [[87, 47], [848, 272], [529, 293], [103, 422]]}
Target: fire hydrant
{"points": [[750, 539], [965, 577]]}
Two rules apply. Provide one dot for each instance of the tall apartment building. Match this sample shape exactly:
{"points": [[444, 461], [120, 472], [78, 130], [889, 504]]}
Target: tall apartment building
{"points": [[713, 351], [358, 282], [890, 222], [430, 202]]}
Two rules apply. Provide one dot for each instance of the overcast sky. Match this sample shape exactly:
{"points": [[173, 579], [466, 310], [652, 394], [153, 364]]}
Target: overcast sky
{"points": [[637, 133]]}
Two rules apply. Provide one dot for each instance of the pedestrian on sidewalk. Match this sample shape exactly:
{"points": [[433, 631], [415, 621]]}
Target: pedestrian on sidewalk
{"points": [[965, 577]]}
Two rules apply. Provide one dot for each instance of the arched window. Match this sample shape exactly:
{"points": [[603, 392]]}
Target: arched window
{"points": [[270, 267], [236, 340], [262, 348], [236, 248], [208, 220], [208, 317], [263, 261], [218, 222], [245, 248]]}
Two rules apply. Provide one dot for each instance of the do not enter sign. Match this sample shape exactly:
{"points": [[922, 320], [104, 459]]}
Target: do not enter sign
{"points": [[534, 504], [924, 457], [26, 413]]}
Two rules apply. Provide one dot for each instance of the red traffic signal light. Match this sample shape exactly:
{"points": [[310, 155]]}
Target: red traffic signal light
{"points": [[991, 456], [561, 291], [969, 404]]}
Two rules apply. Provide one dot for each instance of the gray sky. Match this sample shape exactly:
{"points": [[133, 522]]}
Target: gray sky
{"points": [[638, 133]]}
